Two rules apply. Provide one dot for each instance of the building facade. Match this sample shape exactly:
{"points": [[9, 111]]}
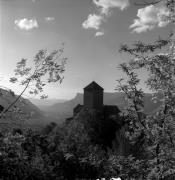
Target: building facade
{"points": [[93, 96]]}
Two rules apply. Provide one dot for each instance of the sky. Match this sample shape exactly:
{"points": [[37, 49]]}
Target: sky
{"points": [[92, 31]]}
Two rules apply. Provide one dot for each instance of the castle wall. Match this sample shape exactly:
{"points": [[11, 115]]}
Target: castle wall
{"points": [[88, 99], [93, 99], [98, 100]]}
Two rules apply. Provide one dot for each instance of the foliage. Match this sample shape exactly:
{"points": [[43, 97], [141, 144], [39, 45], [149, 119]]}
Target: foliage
{"points": [[66, 151], [80, 149], [152, 137], [45, 68], [154, 134]]}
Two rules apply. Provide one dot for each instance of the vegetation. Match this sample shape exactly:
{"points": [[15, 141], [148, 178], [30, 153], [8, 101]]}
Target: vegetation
{"points": [[46, 68], [152, 135], [80, 148]]}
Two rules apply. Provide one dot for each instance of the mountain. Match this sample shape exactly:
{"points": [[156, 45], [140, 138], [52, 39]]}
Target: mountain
{"points": [[53, 110], [64, 110], [8, 96], [23, 110], [42, 103]]}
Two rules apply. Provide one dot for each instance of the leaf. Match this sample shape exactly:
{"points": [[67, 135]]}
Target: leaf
{"points": [[13, 80]]}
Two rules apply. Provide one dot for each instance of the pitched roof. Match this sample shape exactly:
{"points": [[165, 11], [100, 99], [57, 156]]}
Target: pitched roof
{"points": [[93, 86]]}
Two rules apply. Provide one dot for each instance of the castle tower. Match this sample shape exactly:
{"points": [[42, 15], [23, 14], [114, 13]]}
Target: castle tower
{"points": [[93, 96]]}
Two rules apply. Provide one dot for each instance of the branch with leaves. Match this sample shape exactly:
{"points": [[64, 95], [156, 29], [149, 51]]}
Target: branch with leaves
{"points": [[158, 130], [45, 68]]}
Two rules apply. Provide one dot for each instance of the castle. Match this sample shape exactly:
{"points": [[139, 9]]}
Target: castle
{"points": [[93, 96], [93, 100], [111, 126]]}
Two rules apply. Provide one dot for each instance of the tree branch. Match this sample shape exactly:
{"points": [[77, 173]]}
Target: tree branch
{"points": [[14, 102]]}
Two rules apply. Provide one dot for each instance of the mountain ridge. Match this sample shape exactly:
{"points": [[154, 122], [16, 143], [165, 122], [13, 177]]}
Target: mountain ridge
{"points": [[64, 110], [23, 109]]}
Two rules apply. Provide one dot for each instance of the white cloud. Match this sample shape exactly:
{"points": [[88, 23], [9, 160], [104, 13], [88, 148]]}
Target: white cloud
{"points": [[150, 17], [93, 21], [49, 18], [106, 5], [99, 34], [26, 24]]}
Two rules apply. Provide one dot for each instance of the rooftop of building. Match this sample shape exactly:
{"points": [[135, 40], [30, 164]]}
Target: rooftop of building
{"points": [[93, 86]]}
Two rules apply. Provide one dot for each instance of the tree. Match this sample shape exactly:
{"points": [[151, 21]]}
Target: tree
{"points": [[153, 136], [45, 68]]}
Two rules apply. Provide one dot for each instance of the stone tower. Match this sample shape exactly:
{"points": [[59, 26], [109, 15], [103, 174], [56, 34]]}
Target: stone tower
{"points": [[93, 96]]}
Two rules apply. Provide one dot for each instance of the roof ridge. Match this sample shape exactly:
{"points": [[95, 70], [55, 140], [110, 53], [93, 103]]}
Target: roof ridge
{"points": [[93, 85]]}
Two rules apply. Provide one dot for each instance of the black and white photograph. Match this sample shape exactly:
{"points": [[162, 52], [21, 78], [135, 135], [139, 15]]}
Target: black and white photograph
{"points": [[87, 89]]}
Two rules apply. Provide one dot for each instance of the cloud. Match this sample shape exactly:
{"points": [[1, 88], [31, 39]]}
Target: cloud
{"points": [[106, 5], [150, 17], [49, 18], [26, 24], [99, 34], [93, 21]]}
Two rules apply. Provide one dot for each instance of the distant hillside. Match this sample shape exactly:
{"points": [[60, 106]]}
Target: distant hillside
{"points": [[42, 103], [8, 96], [29, 112], [65, 109], [61, 110]]}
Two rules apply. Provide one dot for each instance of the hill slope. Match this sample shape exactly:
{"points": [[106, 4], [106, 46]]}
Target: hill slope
{"points": [[65, 109], [8, 96], [23, 109]]}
